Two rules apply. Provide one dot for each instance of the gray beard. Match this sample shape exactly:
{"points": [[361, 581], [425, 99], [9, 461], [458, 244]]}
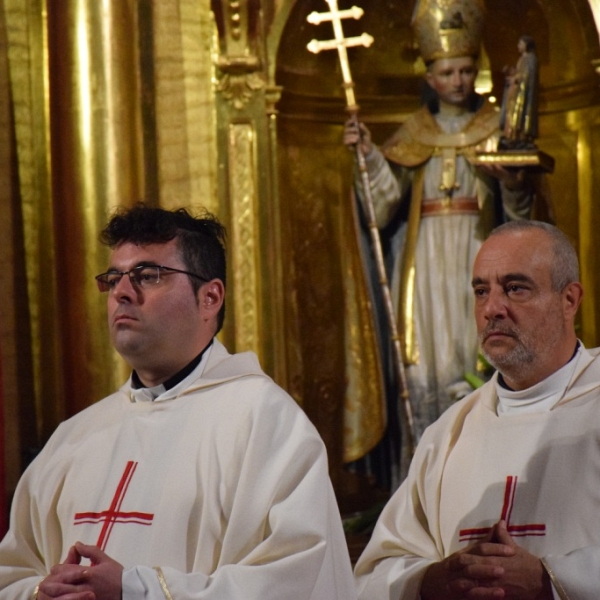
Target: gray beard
{"points": [[512, 362], [515, 361]]}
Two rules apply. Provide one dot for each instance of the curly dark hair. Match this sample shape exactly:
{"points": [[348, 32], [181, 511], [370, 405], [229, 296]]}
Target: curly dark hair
{"points": [[201, 239]]}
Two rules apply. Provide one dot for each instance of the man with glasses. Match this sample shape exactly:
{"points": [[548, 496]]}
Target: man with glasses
{"points": [[200, 478]]}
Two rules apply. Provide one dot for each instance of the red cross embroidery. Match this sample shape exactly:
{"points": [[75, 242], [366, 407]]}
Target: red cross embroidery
{"points": [[113, 514], [532, 529]]}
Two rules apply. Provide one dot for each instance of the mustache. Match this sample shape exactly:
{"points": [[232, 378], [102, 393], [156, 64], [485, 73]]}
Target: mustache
{"points": [[494, 327]]}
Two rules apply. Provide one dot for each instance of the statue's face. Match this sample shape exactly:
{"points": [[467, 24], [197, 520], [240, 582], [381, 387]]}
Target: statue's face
{"points": [[521, 46], [453, 79]]}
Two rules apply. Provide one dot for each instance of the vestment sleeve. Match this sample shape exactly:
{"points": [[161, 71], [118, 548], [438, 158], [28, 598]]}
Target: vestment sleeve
{"points": [[517, 202], [404, 543], [21, 564], [389, 185], [574, 575]]}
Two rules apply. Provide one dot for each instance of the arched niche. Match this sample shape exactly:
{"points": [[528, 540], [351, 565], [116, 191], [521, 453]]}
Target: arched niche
{"points": [[388, 75]]}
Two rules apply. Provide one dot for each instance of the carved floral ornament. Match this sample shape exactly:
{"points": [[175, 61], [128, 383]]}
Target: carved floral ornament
{"points": [[240, 80], [238, 88], [241, 75]]}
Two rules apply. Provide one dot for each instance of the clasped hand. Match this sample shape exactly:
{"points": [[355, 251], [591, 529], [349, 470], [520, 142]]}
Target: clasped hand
{"points": [[495, 567], [355, 132], [73, 581]]}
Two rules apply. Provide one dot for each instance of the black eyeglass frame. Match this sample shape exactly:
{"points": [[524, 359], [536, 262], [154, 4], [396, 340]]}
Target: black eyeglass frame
{"points": [[105, 286]]}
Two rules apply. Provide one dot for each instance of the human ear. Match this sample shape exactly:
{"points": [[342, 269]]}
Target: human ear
{"points": [[211, 296], [572, 295]]}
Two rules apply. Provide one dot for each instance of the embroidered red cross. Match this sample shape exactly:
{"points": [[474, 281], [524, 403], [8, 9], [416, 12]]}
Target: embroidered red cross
{"points": [[113, 514], [532, 529]]}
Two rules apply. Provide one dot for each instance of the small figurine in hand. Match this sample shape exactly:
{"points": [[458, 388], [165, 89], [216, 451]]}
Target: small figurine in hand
{"points": [[518, 119]]}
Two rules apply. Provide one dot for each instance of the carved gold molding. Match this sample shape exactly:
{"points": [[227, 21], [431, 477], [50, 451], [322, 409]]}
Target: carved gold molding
{"points": [[244, 236], [240, 67], [238, 89]]}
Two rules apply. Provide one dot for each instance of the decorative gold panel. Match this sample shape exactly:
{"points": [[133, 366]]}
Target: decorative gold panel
{"points": [[586, 209], [244, 234]]}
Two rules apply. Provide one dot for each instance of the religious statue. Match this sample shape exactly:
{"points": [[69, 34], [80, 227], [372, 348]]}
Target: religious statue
{"points": [[518, 119], [437, 204]]}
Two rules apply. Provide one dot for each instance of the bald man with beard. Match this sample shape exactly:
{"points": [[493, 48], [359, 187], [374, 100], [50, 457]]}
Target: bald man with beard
{"points": [[502, 496]]}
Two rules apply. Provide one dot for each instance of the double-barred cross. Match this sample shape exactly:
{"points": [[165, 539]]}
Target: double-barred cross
{"points": [[340, 42]]}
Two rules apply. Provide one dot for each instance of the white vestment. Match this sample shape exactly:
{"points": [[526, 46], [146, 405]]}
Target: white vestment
{"points": [[222, 485], [442, 300], [540, 471]]}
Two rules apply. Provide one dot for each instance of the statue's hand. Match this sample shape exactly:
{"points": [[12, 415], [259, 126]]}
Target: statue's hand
{"points": [[513, 179], [354, 133]]}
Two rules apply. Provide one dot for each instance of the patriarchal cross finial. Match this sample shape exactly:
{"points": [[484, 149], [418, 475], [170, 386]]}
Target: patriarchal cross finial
{"points": [[340, 42]]}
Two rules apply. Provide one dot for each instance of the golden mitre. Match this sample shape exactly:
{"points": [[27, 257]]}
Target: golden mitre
{"points": [[448, 28]]}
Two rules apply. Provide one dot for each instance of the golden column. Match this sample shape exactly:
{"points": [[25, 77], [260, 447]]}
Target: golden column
{"points": [[97, 164], [37, 342]]}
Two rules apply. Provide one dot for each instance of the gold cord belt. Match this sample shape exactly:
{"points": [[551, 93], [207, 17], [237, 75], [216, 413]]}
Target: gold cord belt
{"points": [[449, 206]]}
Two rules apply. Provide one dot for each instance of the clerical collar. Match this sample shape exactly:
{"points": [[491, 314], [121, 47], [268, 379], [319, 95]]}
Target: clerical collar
{"points": [[142, 392], [542, 396]]}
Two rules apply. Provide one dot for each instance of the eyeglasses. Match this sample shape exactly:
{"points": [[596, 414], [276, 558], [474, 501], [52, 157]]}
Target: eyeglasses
{"points": [[144, 276]]}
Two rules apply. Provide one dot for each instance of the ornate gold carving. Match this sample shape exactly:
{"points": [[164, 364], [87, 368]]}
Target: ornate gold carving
{"points": [[239, 88], [244, 236], [517, 158], [239, 64], [235, 19], [272, 97]]}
